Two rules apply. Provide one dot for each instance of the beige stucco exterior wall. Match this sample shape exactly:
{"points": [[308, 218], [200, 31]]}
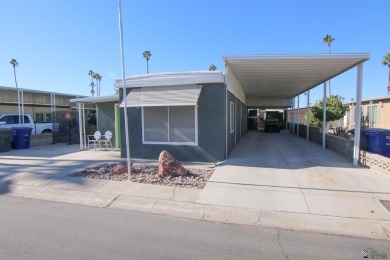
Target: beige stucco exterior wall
{"points": [[383, 113]]}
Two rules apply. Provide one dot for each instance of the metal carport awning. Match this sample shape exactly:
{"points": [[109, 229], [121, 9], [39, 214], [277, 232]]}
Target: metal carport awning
{"points": [[288, 75], [163, 96]]}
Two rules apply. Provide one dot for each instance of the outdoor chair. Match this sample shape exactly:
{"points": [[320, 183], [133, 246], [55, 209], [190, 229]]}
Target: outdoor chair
{"points": [[94, 139], [107, 140]]}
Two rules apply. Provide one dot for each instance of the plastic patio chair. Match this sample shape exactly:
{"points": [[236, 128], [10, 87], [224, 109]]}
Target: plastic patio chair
{"points": [[94, 139], [107, 140]]}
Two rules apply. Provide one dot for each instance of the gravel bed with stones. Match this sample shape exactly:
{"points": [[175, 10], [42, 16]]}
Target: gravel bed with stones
{"points": [[195, 178]]}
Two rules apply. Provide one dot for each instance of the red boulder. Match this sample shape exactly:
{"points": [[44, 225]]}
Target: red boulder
{"points": [[169, 166]]}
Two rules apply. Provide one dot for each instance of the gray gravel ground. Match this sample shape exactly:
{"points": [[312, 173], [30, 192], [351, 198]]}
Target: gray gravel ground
{"points": [[195, 178]]}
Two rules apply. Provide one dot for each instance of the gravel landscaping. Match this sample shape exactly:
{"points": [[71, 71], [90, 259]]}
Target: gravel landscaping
{"points": [[195, 178]]}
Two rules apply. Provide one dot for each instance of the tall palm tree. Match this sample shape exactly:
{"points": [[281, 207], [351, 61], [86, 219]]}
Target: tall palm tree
{"points": [[91, 73], [212, 67], [386, 61], [14, 64], [98, 78], [147, 55], [328, 39]]}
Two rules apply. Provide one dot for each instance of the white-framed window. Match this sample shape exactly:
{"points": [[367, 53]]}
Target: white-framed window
{"points": [[176, 125], [231, 121], [374, 116]]}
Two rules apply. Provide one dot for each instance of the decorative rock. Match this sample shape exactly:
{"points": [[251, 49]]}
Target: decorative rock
{"points": [[119, 169], [169, 166]]}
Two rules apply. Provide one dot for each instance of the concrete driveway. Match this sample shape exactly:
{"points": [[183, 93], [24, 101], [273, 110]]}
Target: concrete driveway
{"points": [[283, 172]]}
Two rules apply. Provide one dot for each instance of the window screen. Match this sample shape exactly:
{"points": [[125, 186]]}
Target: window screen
{"points": [[155, 124], [182, 124], [175, 124]]}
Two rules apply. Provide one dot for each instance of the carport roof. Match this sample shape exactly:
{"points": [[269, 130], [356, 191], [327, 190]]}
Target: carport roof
{"points": [[288, 75]]}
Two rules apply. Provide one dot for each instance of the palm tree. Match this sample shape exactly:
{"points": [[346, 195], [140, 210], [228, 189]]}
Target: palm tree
{"points": [[14, 63], [98, 78], [91, 73], [386, 61], [147, 55], [212, 67], [328, 39]]}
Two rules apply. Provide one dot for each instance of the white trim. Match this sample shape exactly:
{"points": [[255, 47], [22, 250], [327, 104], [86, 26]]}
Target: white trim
{"points": [[231, 117], [325, 56], [116, 125], [196, 124], [172, 79], [143, 125], [95, 99], [171, 143]]}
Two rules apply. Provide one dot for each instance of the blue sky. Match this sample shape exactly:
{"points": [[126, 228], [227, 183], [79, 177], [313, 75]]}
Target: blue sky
{"points": [[57, 42]]}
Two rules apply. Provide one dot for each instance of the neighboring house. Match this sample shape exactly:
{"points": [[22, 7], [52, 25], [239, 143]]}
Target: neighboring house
{"points": [[375, 113], [40, 104], [201, 116]]}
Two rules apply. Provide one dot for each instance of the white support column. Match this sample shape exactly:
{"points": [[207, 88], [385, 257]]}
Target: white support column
{"points": [[324, 118], [308, 116], [81, 118], [358, 112], [293, 117], [298, 116], [21, 106]]}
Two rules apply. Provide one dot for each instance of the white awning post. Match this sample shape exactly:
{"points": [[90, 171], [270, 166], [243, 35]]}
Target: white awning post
{"points": [[358, 112], [124, 90], [308, 116], [80, 127], [298, 116], [324, 118], [293, 117]]}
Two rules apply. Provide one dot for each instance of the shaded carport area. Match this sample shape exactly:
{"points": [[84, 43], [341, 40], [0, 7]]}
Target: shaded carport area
{"points": [[274, 81], [284, 172]]}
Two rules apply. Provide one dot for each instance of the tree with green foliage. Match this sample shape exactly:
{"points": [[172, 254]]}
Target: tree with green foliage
{"points": [[92, 74], [212, 67], [386, 61], [14, 64], [147, 55], [328, 39], [335, 109], [98, 78]]}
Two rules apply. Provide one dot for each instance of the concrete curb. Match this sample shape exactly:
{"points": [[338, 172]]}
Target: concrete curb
{"points": [[273, 219]]}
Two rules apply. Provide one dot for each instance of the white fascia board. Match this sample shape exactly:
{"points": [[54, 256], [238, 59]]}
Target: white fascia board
{"points": [[369, 99], [172, 79], [95, 99], [321, 56]]}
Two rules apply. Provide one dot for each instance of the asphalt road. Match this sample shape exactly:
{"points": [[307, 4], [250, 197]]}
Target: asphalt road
{"points": [[34, 229]]}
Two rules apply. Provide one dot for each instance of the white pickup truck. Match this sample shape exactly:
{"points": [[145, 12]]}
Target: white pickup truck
{"points": [[12, 120]]}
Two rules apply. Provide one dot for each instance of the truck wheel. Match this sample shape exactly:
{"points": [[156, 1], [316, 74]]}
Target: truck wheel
{"points": [[46, 131]]}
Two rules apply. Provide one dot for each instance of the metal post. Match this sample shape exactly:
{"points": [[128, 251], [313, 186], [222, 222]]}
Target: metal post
{"points": [[324, 118], [308, 116], [298, 116], [81, 119], [293, 117], [124, 90], [358, 112]]}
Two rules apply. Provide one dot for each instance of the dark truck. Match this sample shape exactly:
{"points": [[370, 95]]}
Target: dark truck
{"points": [[272, 121]]}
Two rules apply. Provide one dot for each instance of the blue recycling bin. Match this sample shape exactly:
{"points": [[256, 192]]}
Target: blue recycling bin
{"points": [[378, 141], [21, 137]]}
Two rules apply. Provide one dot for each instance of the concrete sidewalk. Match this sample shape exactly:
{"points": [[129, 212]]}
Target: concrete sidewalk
{"points": [[42, 173]]}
